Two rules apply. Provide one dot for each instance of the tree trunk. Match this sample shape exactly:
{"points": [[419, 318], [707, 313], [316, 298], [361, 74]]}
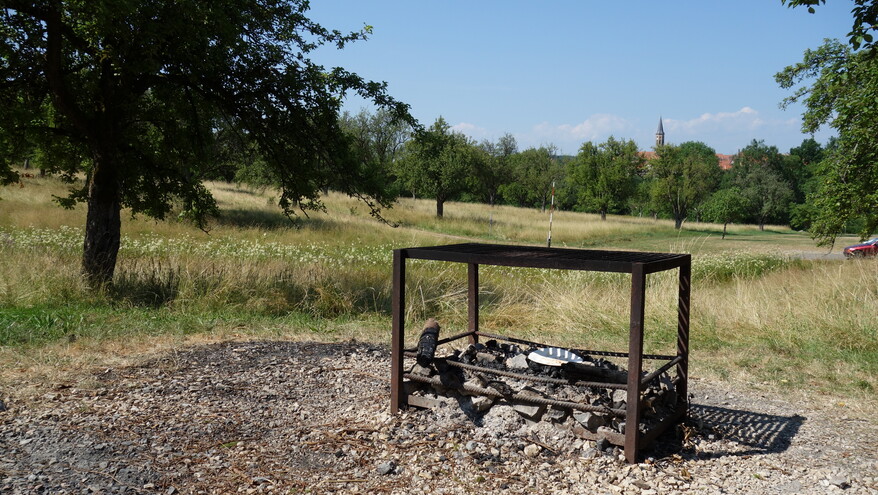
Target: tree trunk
{"points": [[440, 204], [102, 225], [678, 222], [603, 215], [724, 230]]}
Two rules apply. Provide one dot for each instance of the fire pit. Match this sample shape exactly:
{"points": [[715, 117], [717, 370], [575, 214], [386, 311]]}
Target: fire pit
{"points": [[606, 400]]}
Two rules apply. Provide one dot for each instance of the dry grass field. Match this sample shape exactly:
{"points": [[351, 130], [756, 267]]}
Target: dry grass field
{"points": [[767, 308]]}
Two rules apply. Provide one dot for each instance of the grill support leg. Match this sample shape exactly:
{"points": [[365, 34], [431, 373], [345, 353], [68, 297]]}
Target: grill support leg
{"points": [[635, 362], [473, 301], [683, 338], [397, 341]]}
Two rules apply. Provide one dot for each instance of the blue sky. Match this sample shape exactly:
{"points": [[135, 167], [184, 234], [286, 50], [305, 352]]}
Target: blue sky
{"points": [[566, 72]]}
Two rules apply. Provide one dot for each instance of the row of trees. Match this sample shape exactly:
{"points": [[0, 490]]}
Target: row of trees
{"points": [[685, 181], [444, 165], [678, 181]]}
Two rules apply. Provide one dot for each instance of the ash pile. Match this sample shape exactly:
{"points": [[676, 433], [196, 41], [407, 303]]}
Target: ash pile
{"points": [[569, 388]]}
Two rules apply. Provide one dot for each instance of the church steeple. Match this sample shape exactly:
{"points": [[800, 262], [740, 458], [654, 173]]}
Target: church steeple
{"points": [[660, 135]]}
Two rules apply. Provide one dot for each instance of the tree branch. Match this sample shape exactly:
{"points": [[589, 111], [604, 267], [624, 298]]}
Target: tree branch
{"points": [[54, 63]]}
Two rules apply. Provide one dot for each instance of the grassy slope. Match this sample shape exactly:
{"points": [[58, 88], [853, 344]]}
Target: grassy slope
{"points": [[757, 315]]}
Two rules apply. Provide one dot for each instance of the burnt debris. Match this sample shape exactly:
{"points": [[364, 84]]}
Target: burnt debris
{"points": [[574, 394]]}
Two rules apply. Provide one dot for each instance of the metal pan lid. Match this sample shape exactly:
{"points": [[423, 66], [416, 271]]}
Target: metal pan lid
{"points": [[554, 356]]}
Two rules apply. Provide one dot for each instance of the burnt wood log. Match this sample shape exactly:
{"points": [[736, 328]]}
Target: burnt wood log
{"points": [[582, 370], [427, 342]]}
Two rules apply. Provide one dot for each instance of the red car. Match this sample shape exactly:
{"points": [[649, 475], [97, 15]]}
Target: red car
{"points": [[868, 248]]}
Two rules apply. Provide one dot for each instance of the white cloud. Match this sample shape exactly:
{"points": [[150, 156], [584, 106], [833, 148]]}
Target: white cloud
{"points": [[569, 137], [472, 130], [745, 119], [596, 127], [730, 131]]}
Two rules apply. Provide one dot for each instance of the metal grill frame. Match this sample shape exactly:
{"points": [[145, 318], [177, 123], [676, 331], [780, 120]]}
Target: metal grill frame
{"points": [[638, 264]]}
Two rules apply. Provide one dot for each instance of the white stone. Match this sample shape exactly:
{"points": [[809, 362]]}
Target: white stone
{"points": [[532, 450]]}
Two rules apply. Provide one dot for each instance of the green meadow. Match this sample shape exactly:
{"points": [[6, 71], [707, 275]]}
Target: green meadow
{"points": [[768, 308]]}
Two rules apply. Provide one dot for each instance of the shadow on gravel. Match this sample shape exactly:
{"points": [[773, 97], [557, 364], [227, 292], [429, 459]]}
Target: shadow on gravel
{"points": [[757, 433], [763, 433]]}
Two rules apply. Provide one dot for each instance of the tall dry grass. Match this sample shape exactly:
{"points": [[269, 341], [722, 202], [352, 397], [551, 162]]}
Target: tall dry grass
{"points": [[757, 314]]}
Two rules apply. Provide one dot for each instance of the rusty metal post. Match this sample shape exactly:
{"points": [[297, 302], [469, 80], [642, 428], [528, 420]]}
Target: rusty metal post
{"points": [[683, 337], [473, 300], [397, 341], [635, 361]]}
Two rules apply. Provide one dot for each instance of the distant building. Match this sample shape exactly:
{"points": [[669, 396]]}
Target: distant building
{"points": [[725, 161], [660, 135]]}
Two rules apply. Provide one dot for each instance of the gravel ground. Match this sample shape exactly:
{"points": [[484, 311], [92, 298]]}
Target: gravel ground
{"points": [[286, 417]]}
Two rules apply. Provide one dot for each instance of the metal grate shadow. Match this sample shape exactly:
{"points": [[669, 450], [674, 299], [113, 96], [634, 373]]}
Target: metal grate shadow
{"points": [[762, 433]]}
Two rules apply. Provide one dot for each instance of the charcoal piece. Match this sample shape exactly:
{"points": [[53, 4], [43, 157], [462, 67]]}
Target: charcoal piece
{"points": [[451, 378], [539, 368], [501, 387], [555, 415], [442, 364]]}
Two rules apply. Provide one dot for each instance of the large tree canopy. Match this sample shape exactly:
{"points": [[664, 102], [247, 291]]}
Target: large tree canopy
{"points": [[437, 163], [844, 96], [532, 172], [683, 177], [491, 172], [143, 97], [759, 173], [378, 142], [605, 175], [726, 206]]}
